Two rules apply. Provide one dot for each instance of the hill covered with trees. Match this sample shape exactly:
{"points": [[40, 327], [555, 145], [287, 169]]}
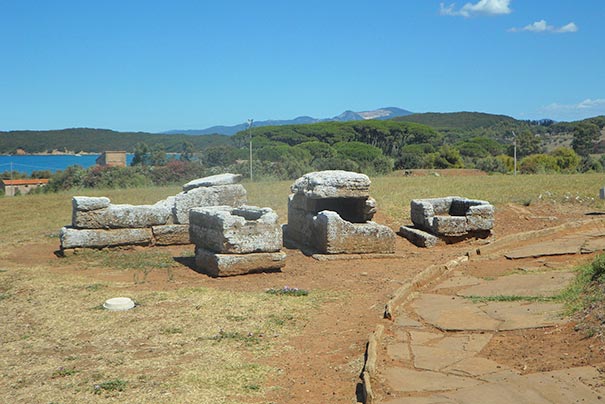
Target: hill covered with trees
{"points": [[98, 140], [418, 141]]}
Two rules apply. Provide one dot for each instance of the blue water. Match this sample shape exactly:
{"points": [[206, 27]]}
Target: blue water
{"points": [[27, 164]]}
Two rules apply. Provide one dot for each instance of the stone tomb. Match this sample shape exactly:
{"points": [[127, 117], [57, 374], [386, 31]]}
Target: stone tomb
{"points": [[97, 223], [450, 219], [235, 241], [330, 212]]}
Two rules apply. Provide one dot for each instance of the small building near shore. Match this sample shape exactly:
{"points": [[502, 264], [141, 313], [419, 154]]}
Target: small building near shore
{"points": [[21, 186], [112, 159]]}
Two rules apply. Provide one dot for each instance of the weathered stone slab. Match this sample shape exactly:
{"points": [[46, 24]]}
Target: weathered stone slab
{"points": [[453, 313], [86, 203], [333, 184], [565, 246], [399, 351], [213, 180], [450, 225], [433, 358], [237, 264], [522, 315], [575, 385], [408, 380], [228, 230], [593, 245], [420, 337], [171, 234], [465, 342], [538, 284], [403, 320], [227, 195], [167, 204], [475, 367], [97, 238], [418, 237], [333, 235], [122, 216]]}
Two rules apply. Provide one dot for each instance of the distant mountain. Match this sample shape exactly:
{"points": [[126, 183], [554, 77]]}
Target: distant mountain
{"points": [[346, 116]]}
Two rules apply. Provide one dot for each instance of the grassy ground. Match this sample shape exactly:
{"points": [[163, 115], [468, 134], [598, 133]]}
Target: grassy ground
{"points": [[182, 344], [187, 345], [585, 298], [47, 213]]}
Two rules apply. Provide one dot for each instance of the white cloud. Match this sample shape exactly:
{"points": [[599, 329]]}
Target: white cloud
{"points": [[486, 7], [543, 26], [584, 109], [571, 27]]}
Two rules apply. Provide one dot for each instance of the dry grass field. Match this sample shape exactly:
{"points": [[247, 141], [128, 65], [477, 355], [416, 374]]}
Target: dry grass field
{"points": [[187, 341]]}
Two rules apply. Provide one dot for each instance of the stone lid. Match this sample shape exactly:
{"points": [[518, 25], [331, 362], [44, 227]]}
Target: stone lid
{"points": [[118, 304], [332, 184], [86, 203], [213, 180], [226, 216]]}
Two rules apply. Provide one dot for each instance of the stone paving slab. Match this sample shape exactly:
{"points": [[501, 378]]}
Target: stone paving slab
{"points": [[571, 245], [399, 351], [476, 367], [593, 245], [558, 387], [421, 337], [575, 385], [522, 315], [409, 380], [453, 313], [465, 342], [432, 358], [537, 284]]}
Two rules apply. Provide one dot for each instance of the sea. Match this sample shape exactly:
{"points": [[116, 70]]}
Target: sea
{"points": [[53, 163]]}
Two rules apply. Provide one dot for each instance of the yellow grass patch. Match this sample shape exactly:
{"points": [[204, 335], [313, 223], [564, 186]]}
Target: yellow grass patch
{"points": [[189, 345]]}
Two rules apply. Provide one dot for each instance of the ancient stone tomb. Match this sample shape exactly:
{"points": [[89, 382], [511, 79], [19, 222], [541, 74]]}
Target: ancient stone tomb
{"points": [[97, 223], [234, 241], [450, 219], [330, 212]]}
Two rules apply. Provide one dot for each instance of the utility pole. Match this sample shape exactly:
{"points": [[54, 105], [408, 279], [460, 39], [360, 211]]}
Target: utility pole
{"points": [[515, 153], [250, 122], [11, 170]]}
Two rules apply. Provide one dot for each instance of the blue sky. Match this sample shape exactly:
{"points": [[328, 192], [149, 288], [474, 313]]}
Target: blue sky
{"points": [[159, 65]]}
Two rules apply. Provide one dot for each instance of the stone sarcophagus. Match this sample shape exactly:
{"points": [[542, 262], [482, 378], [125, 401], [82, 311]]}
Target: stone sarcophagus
{"points": [[97, 223], [452, 216], [450, 219], [235, 241], [330, 212]]}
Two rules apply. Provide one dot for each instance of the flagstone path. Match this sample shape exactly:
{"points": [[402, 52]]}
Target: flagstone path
{"points": [[432, 350]]}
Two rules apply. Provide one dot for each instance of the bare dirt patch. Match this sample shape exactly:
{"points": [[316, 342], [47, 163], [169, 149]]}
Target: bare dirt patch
{"points": [[541, 350]]}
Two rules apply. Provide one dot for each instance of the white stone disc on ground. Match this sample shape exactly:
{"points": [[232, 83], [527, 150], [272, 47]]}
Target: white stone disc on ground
{"points": [[118, 304]]}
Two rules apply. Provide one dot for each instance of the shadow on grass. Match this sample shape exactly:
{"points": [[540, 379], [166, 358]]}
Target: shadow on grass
{"points": [[186, 261]]}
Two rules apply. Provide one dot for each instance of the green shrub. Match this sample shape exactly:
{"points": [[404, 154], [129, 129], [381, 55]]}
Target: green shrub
{"points": [[538, 164], [567, 159]]}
